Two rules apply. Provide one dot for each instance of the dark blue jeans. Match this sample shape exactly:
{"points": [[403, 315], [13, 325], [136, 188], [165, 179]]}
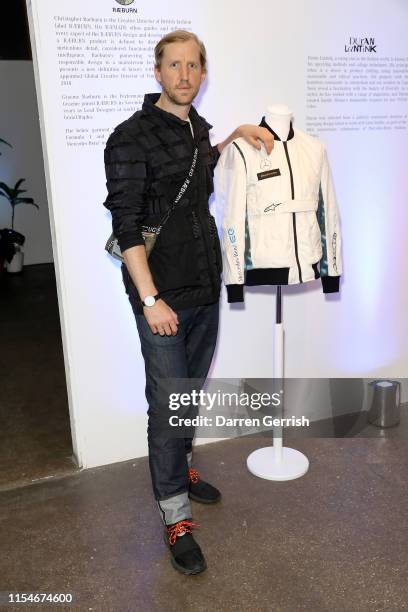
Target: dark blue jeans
{"points": [[186, 355]]}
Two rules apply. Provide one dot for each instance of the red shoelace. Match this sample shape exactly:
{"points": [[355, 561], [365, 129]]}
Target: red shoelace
{"points": [[193, 475], [177, 529]]}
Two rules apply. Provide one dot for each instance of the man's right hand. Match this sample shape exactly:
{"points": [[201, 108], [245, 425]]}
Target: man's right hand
{"points": [[161, 319]]}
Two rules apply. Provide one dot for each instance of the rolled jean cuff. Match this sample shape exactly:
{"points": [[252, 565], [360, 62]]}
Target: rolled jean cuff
{"points": [[174, 509], [189, 458]]}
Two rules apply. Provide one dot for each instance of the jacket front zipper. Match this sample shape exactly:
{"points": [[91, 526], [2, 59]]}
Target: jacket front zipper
{"points": [[292, 187]]}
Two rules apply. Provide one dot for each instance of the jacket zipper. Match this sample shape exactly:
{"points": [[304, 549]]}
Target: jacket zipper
{"points": [[202, 213], [292, 187]]}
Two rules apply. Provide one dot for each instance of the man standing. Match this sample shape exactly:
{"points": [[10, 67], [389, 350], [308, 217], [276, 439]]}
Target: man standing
{"points": [[174, 295]]}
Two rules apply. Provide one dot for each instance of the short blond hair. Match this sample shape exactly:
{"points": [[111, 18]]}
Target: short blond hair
{"points": [[179, 36]]}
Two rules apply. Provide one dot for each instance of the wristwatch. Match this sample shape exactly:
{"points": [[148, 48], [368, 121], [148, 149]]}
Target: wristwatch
{"points": [[150, 300]]}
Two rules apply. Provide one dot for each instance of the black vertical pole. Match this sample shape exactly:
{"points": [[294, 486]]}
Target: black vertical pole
{"points": [[279, 304], [279, 382]]}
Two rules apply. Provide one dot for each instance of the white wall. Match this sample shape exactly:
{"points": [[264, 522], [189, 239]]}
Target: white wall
{"points": [[255, 59], [19, 125]]}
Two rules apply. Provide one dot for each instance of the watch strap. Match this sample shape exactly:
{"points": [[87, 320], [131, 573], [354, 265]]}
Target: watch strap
{"points": [[156, 297]]}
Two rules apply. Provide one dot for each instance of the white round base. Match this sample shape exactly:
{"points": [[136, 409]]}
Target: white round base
{"points": [[265, 463]]}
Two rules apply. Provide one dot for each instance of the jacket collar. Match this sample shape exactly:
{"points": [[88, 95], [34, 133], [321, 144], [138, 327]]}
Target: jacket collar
{"points": [[149, 107], [276, 137]]}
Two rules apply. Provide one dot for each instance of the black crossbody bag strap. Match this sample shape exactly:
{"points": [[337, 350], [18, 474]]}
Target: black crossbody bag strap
{"points": [[150, 234], [180, 194]]}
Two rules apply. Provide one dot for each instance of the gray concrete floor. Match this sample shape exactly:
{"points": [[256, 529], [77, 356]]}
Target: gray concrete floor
{"points": [[334, 540]]}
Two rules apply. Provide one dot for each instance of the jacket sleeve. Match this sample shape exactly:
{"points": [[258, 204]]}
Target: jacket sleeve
{"points": [[328, 218], [230, 194], [125, 168], [214, 156]]}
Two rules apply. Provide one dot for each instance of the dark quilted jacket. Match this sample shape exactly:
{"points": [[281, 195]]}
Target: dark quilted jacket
{"points": [[147, 159]]}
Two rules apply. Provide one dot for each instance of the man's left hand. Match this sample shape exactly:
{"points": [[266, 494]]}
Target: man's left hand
{"points": [[253, 134]]}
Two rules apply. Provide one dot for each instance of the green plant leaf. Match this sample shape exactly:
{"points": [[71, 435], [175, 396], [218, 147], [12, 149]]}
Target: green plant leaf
{"points": [[6, 143], [17, 185], [25, 201], [14, 195], [7, 190]]}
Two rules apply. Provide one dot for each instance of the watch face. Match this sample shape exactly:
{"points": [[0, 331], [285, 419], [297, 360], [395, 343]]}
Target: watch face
{"points": [[149, 300]]}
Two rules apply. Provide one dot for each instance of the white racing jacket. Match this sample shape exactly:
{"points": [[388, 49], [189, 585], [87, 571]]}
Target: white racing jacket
{"points": [[280, 218]]}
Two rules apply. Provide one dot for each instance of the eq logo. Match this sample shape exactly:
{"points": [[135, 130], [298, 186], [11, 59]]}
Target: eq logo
{"points": [[231, 235]]}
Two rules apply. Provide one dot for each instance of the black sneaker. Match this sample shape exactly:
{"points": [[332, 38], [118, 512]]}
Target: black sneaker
{"points": [[201, 491], [186, 555]]}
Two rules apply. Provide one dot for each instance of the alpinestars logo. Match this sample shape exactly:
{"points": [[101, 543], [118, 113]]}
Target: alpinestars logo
{"points": [[272, 207], [360, 45]]}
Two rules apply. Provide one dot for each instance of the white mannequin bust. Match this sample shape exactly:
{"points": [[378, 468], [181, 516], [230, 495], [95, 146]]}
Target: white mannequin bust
{"points": [[278, 117]]}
